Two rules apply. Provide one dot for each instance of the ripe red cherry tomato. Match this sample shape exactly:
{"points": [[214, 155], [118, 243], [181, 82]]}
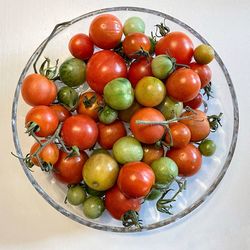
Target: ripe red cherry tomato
{"points": [[188, 159], [118, 204], [110, 133], [61, 112], [183, 85], [176, 44], [106, 31], [81, 47], [147, 133], [195, 103], [45, 118], [38, 90], [103, 67], [138, 69], [69, 169], [134, 42], [80, 131], [135, 179], [203, 71]]}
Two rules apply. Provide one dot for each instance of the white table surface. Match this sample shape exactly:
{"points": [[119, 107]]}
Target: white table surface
{"points": [[29, 222]]}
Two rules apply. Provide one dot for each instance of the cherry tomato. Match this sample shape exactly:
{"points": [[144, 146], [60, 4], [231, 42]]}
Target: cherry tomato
{"points": [[136, 179], [68, 97], [188, 159], [181, 135], [134, 42], [151, 152], [126, 114], [48, 154], [106, 31], [61, 112], [197, 124], [203, 71], [138, 69], [76, 195], [207, 147], [89, 104], [80, 131], [81, 47], [183, 85], [93, 207], [107, 115], [109, 134], [162, 66], [118, 204], [45, 118], [147, 133], [69, 169], [194, 103], [38, 90], [203, 54], [176, 44], [133, 24], [103, 67]]}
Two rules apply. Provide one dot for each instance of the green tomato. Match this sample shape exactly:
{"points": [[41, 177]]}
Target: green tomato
{"points": [[165, 170], [107, 115], [133, 24], [170, 108], [127, 149], [119, 94], [126, 114], [76, 195], [154, 194], [162, 66], [207, 147], [93, 207], [93, 192], [68, 97], [73, 72]]}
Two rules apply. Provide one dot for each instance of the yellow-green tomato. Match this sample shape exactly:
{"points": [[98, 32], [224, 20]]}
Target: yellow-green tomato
{"points": [[127, 149], [93, 207], [76, 195], [133, 24], [119, 94], [203, 54], [162, 66], [170, 108], [165, 170], [100, 172], [150, 91]]}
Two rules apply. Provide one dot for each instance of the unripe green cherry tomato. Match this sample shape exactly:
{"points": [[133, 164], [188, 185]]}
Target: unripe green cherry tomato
{"points": [[107, 115], [127, 149], [133, 24], [73, 72], [153, 195], [165, 170], [119, 94], [207, 147], [68, 97], [76, 195], [203, 54], [93, 207], [162, 66]]}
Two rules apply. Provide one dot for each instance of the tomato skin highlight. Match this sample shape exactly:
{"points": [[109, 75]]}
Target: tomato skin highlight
{"points": [[103, 67], [37, 90], [80, 131]]}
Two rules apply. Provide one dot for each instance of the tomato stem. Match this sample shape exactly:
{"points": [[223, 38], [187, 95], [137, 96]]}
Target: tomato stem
{"points": [[131, 218]]}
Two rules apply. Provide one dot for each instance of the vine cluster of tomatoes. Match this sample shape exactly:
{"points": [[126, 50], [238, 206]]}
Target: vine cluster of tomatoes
{"points": [[148, 83]]}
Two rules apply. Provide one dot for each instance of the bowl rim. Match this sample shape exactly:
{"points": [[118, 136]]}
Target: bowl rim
{"points": [[155, 225]]}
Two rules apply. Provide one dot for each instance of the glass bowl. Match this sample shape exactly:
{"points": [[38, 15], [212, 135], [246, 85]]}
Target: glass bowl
{"points": [[199, 187]]}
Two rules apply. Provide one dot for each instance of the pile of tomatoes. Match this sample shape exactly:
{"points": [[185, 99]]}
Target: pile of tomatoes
{"points": [[136, 129]]}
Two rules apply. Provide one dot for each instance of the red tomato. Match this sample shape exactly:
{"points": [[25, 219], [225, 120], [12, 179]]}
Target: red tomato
{"points": [[48, 154], [89, 104], [194, 103], [138, 69], [81, 47], [69, 169], [203, 71], [106, 31], [135, 179], [103, 67], [188, 159], [118, 204], [45, 118], [134, 42], [176, 44], [38, 90], [61, 112], [181, 135], [80, 131], [183, 85], [147, 133], [109, 134]]}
